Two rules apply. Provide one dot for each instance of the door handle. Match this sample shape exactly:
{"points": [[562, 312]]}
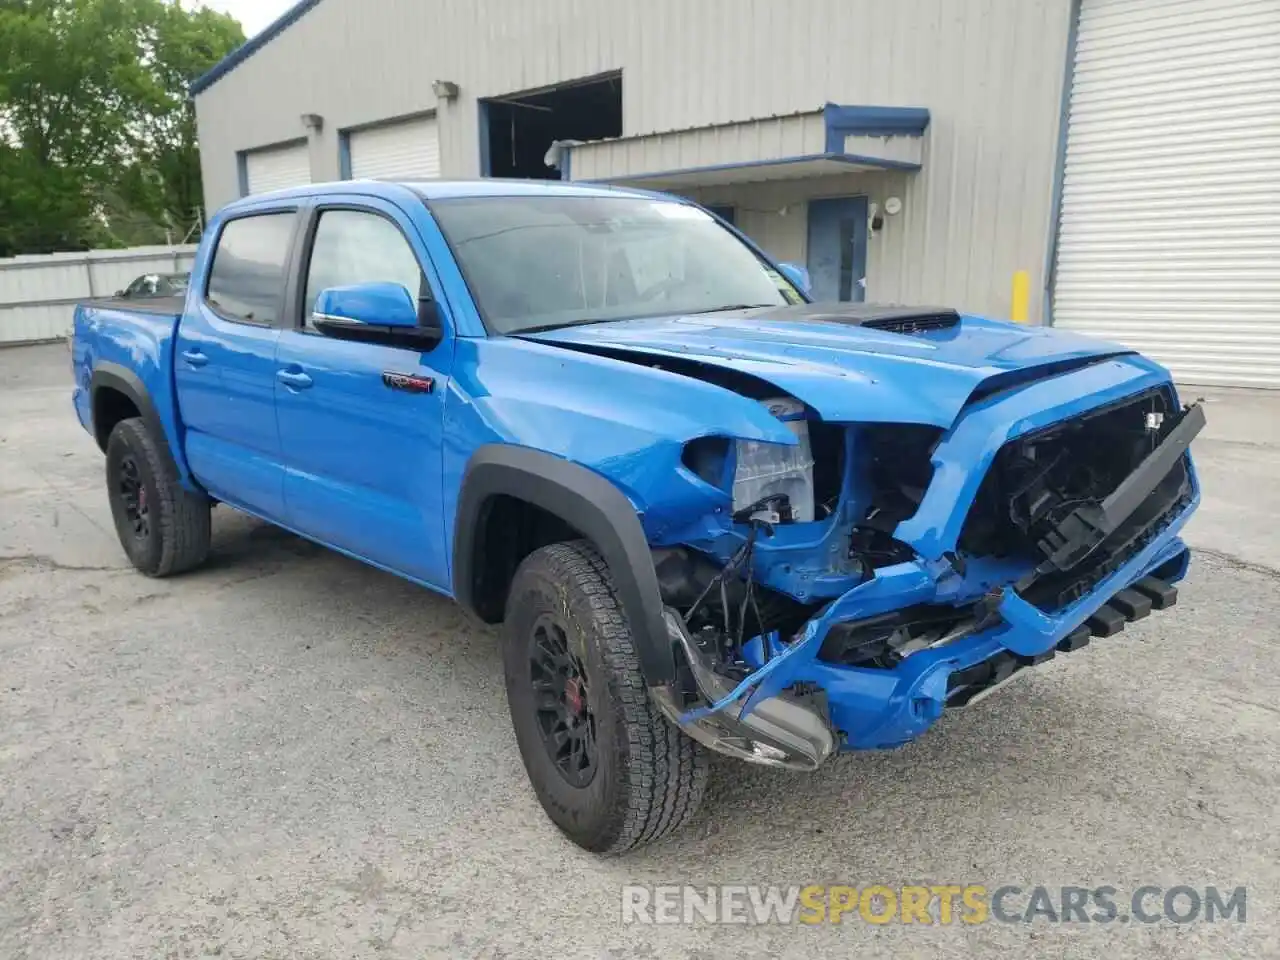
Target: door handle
{"points": [[294, 380], [195, 358]]}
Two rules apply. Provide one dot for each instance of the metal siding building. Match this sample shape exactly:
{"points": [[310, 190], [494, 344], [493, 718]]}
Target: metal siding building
{"points": [[723, 101]]}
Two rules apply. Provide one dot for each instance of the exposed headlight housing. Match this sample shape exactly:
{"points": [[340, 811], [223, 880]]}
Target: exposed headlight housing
{"points": [[768, 469]]}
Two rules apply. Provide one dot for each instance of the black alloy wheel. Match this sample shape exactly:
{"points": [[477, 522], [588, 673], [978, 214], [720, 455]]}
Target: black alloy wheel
{"points": [[607, 766], [561, 702], [133, 497]]}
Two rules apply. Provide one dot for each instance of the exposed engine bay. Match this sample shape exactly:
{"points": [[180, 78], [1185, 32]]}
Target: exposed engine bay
{"points": [[1056, 513]]}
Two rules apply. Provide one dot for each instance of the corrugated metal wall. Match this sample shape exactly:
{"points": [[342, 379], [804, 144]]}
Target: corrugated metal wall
{"points": [[989, 70], [37, 293]]}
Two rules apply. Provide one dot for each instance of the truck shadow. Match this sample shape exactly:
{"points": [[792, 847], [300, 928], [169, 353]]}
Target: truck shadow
{"points": [[1035, 771], [1049, 751]]}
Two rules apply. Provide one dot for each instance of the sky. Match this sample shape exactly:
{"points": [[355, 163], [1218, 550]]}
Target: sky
{"points": [[252, 14]]}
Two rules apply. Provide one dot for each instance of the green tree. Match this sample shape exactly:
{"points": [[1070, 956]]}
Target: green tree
{"points": [[97, 131]]}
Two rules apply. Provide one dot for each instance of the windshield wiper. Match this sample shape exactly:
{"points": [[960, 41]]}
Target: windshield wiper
{"points": [[544, 327], [739, 306]]}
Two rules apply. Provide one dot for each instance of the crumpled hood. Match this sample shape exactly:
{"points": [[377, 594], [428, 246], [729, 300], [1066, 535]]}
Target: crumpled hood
{"points": [[844, 371]]}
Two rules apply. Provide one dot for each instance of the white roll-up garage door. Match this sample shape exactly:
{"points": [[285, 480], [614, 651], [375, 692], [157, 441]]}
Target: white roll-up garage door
{"points": [[408, 150], [277, 168], [1170, 231]]}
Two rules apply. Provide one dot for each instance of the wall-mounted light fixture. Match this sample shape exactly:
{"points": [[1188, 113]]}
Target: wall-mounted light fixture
{"points": [[444, 89], [875, 219], [313, 121]]}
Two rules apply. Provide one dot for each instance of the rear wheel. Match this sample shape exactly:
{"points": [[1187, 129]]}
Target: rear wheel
{"points": [[608, 768], [163, 527]]}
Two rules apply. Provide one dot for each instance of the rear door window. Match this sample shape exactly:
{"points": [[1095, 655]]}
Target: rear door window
{"points": [[246, 282]]}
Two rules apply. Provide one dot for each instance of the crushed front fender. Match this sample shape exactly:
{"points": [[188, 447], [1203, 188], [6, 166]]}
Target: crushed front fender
{"points": [[999, 631]]}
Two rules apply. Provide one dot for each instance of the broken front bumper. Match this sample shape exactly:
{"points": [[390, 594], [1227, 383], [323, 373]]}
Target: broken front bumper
{"points": [[795, 709]]}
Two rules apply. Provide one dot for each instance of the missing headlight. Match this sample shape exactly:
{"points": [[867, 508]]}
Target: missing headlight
{"points": [[705, 458]]}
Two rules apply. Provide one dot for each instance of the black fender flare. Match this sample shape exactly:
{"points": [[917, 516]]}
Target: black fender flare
{"points": [[113, 376], [591, 505]]}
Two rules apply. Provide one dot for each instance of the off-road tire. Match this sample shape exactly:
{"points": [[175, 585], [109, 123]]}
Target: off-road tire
{"points": [[178, 532], [649, 777]]}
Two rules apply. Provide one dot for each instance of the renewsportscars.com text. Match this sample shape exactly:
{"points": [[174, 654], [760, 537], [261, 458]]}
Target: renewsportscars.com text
{"points": [[942, 904]]}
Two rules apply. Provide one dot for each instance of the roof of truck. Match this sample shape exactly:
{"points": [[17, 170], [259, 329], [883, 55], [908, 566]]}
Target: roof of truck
{"points": [[439, 189], [444, 189]]}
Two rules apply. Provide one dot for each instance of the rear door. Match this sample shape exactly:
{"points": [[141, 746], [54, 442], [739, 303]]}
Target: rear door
{"points": [[224, 362], [363, 459]]}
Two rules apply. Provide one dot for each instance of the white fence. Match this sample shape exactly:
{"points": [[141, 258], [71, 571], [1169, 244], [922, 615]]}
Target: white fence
{"points": [[37, 293]]}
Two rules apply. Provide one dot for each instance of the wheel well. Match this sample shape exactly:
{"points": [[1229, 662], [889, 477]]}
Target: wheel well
{"points": [[507, 531], [110, 406]]}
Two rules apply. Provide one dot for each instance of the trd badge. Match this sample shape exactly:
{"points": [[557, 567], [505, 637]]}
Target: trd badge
{"points": [[407, 382]]}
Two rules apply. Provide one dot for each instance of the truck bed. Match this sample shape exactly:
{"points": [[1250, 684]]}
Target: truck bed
{"points": [[163, 306], [130, 341]]}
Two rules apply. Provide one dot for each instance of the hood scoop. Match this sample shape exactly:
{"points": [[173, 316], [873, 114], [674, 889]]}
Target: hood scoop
{"points": [[890, 317]]}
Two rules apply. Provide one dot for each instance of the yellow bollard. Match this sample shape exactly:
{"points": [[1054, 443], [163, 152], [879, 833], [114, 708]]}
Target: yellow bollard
{"points": [[1021, 296]]}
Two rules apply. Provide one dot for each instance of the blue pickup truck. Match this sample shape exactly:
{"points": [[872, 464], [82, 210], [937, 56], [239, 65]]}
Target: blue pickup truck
{"points": [[710, 514]]}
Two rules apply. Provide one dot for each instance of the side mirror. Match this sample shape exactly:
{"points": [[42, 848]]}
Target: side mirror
{"points": [[382, 313], [797, 275]]}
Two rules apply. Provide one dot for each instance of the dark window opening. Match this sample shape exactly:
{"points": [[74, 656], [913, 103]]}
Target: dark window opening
{"points": [[522, 127], [846, 259], [725, 213]]}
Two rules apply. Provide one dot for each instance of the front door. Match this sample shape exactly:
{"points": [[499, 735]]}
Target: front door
{"points": [[363, 460], [838, 248], [225, 368]]}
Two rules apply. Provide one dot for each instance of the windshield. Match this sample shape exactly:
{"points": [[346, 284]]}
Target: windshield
{"points": [[536, 263]]}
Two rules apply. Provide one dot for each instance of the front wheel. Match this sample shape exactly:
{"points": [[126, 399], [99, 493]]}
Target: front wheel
{"points": [[163, 527], [608, 768]]}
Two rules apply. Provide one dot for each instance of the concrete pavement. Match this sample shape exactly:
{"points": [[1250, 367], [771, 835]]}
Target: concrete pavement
{"points": [[288, 754]]}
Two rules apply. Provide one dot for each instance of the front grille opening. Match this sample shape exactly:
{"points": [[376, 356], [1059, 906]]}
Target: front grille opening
{"points": [[1166, 501], [1038, 480]]}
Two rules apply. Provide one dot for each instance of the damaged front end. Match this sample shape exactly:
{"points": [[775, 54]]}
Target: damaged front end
{"points": [[851, 587]]}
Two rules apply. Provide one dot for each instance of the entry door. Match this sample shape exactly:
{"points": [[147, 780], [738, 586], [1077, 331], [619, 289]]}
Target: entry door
{"points": [[838, 248], [363, 462]]}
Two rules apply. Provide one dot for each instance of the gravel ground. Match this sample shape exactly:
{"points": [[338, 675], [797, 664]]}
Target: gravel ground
{"points": [[287, 754]]}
